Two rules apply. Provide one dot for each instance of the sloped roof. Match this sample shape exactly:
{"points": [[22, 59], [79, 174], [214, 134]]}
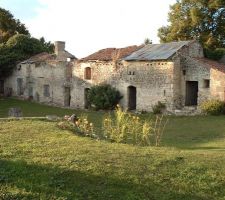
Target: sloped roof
{"points": [[110, 54], [212, 64], [69, 55], [157, 51], [41, 57]]}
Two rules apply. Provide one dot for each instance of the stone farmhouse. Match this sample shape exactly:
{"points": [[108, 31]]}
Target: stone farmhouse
{"points": [[175, 73]]}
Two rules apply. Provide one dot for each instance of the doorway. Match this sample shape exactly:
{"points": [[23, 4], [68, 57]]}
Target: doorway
{"points": [[86, 102], [67, 97], [19, 86], [191, 93], [1, 87], [132, 98]]}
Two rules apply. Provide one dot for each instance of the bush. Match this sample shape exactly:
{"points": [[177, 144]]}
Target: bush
{"points": [[158, 108], [125, 128], [213, 107], [103, 97], [216, 54]]}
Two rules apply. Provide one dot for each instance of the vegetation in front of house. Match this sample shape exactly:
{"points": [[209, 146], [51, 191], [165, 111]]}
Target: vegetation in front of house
{"points": [[159, 108], [103, 97], [40, 161], [16, 44], [120, 127], [197, 19], [126, 128], [213, 107]]}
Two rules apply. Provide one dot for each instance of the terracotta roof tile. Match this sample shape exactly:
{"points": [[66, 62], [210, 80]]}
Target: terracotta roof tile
{"points": [[212, 64], [110, 54]]}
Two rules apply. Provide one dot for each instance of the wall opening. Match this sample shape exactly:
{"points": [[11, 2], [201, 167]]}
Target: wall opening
{"points": [[87, 73], [86, 102], [19, 86], [30, 92], [132, 97], [1, 87], [191, 93], [206, 83], [67, 96], [46, 91]]}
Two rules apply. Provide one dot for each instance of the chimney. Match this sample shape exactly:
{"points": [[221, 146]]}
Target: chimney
{"points": [[60, 50]]}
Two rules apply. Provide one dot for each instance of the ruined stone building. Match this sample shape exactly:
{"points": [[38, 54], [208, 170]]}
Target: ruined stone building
{"points": [[44, 77], [175, 73]]}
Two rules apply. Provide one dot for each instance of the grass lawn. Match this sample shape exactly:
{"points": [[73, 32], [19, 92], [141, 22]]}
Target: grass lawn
{"points": [[40, 161]]}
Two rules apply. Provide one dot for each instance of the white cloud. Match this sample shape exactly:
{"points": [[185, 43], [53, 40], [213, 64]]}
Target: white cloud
{"points": [[89, 25]]}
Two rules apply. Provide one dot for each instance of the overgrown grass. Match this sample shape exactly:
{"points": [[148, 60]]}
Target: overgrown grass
{"points": [[40, 161]]}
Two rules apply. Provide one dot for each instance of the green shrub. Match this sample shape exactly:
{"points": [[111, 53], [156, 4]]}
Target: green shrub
{"points": [[127, 128], [158, 108], [103, 97], [216, 54], [213, 107]]}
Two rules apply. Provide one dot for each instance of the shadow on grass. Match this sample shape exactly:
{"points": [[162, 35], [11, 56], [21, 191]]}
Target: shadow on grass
{"points": [[50, 182]]}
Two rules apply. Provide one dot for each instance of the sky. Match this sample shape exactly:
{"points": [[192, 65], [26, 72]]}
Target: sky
{"points": [[90, 25]]}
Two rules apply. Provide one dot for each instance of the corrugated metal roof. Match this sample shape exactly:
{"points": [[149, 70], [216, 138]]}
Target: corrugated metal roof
{"points": [[156, 51]]}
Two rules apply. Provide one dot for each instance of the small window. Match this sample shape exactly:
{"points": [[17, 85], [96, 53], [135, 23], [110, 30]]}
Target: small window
{"points": [[206, 83], [133, 73], [184, 72], [87, 73], [129, 73], [46, 91]]}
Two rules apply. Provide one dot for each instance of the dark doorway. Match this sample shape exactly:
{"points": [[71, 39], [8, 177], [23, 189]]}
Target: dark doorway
{"points": [[191, 93], [86, 102], [67, 97], [19, 86], [132, 98], [1, 87]]}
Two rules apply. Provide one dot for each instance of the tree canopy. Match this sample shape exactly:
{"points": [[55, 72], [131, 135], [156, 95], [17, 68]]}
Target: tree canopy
{"points": [[203, 20], [16, 44], [10, 26]]}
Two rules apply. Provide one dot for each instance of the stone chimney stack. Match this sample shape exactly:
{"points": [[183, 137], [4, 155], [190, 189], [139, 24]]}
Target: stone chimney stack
{"points": [[60, 50]]}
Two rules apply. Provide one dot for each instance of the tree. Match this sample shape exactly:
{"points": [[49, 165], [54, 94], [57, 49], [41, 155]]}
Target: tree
{"points": [[103, 97], [18, 48], [10, 26], [147, 41], [203, 20]]}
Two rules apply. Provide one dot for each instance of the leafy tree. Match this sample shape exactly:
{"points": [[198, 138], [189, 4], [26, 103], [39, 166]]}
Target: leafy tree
{"points": [[147, 41], [203, 20], [103, 97], [10, 26], [18, 48]]}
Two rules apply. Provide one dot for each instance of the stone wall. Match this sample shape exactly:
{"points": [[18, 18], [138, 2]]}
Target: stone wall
{"points": [[153, 81], [192, 70], [217, 84], [35, 76], [101, 73]]}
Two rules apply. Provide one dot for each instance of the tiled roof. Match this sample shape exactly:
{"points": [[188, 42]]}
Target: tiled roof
{"points": [[156, 51], [110, 54], [44, 56], [212, 63]]}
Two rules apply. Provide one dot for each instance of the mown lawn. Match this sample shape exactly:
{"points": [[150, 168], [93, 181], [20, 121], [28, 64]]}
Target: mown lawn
{"points": [[40, 161]]}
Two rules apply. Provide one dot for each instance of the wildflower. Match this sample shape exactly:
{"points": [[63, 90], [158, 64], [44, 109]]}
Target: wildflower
{"points": [[91, 124], [77, 123]]}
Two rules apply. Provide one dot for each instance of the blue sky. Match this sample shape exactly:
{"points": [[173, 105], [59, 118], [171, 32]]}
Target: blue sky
{"points": [[22, 9], [90, 25]]}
